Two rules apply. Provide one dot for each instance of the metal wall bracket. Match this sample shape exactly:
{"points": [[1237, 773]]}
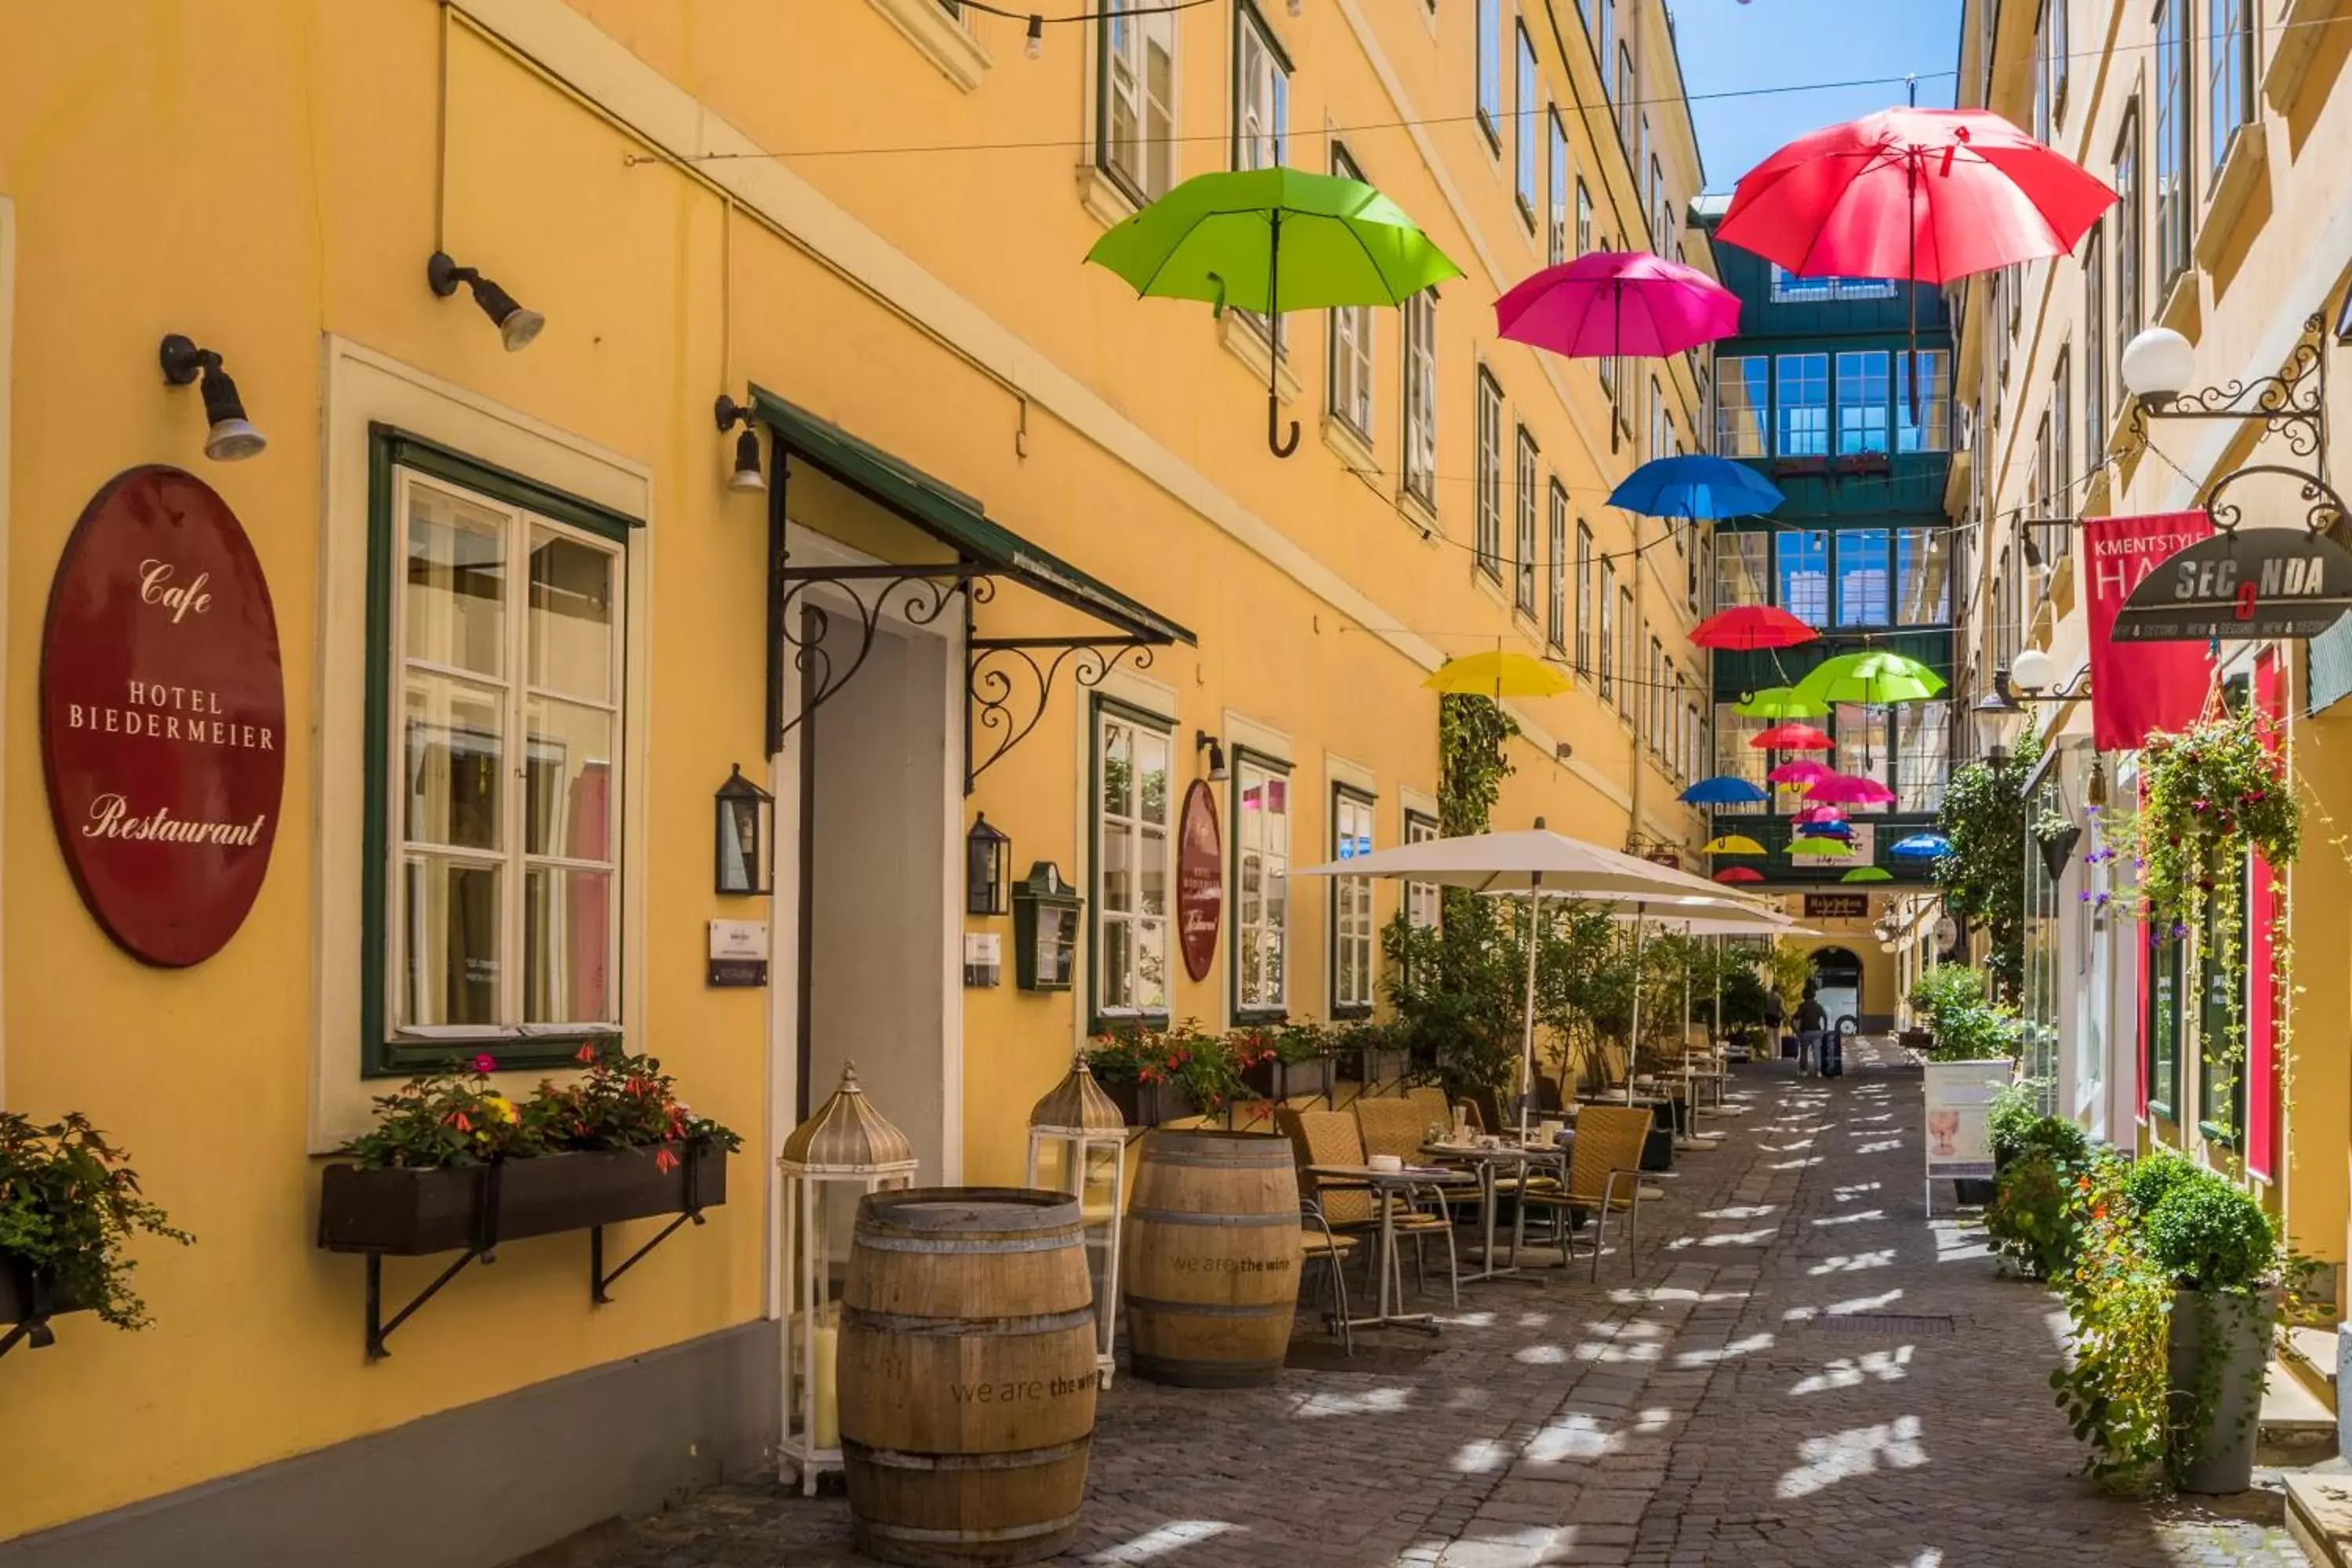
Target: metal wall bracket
{"points": [[599, 1282], [379, 1331], [2293, 404], [1009, 680], [805, 618]]}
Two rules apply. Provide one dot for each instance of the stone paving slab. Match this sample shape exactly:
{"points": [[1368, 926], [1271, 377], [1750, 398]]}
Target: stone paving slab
{"points": [[1692, 1409]]}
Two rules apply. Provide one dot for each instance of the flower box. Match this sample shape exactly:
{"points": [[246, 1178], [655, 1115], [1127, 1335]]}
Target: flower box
{"points": [[1150, 1104], [409, 1212], [1280, 1081], [1374, 1064], [25, 1297]]}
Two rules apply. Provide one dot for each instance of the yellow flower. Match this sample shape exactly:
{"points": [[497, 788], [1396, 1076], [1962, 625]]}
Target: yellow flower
{"points": [[502, 1107]]}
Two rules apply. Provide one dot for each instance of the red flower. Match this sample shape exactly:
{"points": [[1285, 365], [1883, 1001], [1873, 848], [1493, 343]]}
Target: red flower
{"points": [[458, 1119], [586, 1053], [664, 1161]]}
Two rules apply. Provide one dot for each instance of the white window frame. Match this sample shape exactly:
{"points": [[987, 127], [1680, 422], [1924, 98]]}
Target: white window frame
{"points": [[1261, 92], [1523, 569], [1487, 543], [1526, 136], [1489, 25], [1270, 864], [1355, 925], [1122, 76], [1350, 373], [1585, 624], [1424, 902], [1557, 232], [1419, 480], [1556, 589], [1109, 716]]}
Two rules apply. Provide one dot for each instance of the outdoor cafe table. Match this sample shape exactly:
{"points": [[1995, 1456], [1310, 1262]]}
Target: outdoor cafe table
{"points": [[1489, 1162], [1388, 1185]]}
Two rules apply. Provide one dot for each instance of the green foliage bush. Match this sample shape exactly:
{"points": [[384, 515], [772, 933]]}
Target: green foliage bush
{"points": [[68, 1205], [2152, 1178], [1967, 1025], [2033, 1220], [2212, 1236]]}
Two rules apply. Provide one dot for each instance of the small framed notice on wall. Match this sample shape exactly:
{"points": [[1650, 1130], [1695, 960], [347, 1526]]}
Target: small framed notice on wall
{"points": [[739, 953]]}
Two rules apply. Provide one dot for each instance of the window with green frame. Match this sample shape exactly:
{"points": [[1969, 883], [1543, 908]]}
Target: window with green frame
{"points": [[2165, 983], [1354, 934], [2220, 1039], [1260, 795], [496, 764], [1133, 863]]}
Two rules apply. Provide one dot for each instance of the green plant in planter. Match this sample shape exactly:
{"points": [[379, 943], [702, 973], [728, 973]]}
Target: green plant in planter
{"points": [[1199, 1064], [2115, 1389], [2153, 1177], [2212, 1235], [1968, 1025], [69, 1204], [455, 1117], [2033, 1218], [2013, 1110]]}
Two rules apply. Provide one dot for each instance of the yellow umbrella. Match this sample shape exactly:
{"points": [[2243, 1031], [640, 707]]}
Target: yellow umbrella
{"points": [[1497, 674], [1733, 844]]}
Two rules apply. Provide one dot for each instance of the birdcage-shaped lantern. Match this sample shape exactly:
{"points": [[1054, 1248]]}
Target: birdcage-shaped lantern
{"points": [[1077, 1125], [846, 1151]]}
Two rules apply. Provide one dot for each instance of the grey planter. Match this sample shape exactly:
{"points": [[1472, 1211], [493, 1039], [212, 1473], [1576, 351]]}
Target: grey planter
{"points": [[2241, 1324]]}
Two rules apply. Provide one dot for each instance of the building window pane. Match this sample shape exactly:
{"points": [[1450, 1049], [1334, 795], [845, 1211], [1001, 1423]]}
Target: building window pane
{"points": [[1136, 142], [1583, 219], [1422, 900], [1743, 568], [1862, 401], [1490, 70], [1787, 289], [1261, 96], [1743, 399], [1861, 743], [2094, 347], [1261, 884], [1861, 578], [1525, 131], [1584, 623], [1737, 757], [1132, 871], [1607, 629], [1922, 754], [1805, 406], [1421, 398], [1628, 639], [2172, 200], [1351, 342], [1804, 572], [1557, 236], [1487, 545], [1923, 578], [2127, 218], [1352, 926], [1523, 573], [1555, 595], [2230, 43], [1930, 429]]}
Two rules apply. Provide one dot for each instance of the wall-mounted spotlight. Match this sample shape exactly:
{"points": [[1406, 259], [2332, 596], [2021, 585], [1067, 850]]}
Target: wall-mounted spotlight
{"points": [[1202, 740], [232, 436], [517, 324], [747, 479]]}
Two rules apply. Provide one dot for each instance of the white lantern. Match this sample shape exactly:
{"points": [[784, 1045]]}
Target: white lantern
{"points": [[2157, 366], [2033, 671], [1088, 1134], [836, 1157]]}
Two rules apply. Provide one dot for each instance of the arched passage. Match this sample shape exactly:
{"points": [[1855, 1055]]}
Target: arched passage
{"points": [[1837, 976]]}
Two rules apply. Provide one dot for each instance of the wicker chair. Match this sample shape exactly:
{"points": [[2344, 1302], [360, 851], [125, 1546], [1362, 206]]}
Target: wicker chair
{"points": [[1604, 1175], [1334, 1138], [1319, 1242], [1430, 1101]]}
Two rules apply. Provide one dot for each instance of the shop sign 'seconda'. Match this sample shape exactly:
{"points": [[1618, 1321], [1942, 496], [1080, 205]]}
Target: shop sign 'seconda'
{"points": [[163, 715], [2245, 585]]}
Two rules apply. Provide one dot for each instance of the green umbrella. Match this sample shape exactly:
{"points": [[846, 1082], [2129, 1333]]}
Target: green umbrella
{"points": [[1873, 677], [1779, 702], [1868, 874], [1271, 240]]}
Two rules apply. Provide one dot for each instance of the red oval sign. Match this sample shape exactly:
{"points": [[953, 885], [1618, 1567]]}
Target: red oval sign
{"points": [[163, 715], [1199, 880]]}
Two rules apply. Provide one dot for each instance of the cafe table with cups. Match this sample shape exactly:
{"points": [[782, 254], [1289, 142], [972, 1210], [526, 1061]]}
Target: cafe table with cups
{"points": [[1503, 1163], [1393, 1180]]}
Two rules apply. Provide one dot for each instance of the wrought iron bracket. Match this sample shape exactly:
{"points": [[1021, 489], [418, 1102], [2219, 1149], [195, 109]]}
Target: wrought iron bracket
{"points": [[2291, 405], [1009, 680], [378, 1329], [2325, 508], [805, 619], [2014, 694], [600, 1282]]}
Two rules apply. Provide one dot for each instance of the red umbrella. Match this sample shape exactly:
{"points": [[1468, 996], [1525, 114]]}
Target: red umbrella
{"points": [[1608, 302], [1804, 772], [1931, 194], [1822, 812], [1847, 789], [1794, 737], [1739, 874], [1748, 627]]}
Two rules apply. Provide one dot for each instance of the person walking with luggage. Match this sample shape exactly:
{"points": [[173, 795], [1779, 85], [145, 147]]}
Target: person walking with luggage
{"points": [[1812, 1020]]}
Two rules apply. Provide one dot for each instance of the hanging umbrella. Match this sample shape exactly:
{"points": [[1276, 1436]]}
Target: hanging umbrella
{"points": [[1921, 847], [1695, 484], [1846, 789], [1748, 627], [1931, 194], [1818, 812], [1792, 737], [1804, 772], [1874, 676], [1537, 863], [1732, 844], [1825, 830], [1499, 674], [1868, 874], [1739, 874], [1821, 849], [1271, 240], [1777, 702], [1724, 789], [1610, 302]]}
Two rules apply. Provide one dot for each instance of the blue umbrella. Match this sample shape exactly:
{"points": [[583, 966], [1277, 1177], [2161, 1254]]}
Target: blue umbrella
{"points": [[1725, 789], [1695, 486], [1921, 847], [1825, 830]]}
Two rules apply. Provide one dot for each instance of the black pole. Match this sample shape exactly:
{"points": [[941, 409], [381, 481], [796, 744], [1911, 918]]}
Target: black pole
{"points": [[778, 468], [1275, 444]]}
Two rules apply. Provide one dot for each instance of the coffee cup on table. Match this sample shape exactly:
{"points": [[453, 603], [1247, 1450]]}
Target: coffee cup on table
{"points": [[1385, 1164]]}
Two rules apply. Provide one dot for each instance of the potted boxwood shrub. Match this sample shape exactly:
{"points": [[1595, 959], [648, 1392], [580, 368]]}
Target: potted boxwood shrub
{"points": [[69, 1204], [454, 1166], [2217, 1244], [1290, 1061]]}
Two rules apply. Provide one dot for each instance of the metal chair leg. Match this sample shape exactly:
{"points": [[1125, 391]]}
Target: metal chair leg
{"points": [[1600, 1232]]}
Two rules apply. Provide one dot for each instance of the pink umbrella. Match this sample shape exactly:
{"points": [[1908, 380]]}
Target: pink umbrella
{"points": [[1608, 302], [1846, 789], [1803, 773], [1812, 814]]}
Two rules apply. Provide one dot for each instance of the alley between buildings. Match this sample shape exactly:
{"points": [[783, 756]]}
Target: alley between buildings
{"points": [[1801, 1370]]}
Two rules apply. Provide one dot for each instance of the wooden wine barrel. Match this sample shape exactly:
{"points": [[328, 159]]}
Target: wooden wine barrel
{"points": [[1212, 1258], [967, 1375]]}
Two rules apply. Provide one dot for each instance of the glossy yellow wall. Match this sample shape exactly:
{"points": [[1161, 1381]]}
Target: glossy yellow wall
{"points": [[265, 177]]}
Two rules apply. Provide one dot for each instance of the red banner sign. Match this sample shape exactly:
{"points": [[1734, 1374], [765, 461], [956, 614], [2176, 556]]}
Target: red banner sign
{"points": [[163, 715], [2149, 685], [1199, 880]]}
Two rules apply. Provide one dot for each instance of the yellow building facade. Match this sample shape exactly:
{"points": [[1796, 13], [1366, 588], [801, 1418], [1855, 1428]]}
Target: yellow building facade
{"points": [[865, 220]]}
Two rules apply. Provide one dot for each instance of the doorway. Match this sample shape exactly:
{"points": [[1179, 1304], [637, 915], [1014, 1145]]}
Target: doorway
{"points": [[1837, 983]]}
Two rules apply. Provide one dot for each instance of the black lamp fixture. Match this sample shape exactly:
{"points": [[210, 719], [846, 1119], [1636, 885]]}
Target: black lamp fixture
{"points": [[745, 828], [987, 868], [746, 480], [1202, 739], [232, 436], [1992, 712], [516, 323]]}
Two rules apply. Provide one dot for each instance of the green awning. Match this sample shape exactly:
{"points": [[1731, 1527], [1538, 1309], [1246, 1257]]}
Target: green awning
{"points": [[956, 519]]}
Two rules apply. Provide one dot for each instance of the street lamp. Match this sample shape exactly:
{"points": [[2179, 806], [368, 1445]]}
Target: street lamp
{"points": [[2156, 366], [1993, 713]]}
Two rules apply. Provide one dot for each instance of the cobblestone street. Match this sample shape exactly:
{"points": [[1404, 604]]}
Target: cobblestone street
{"points": [[1801, 1370]]}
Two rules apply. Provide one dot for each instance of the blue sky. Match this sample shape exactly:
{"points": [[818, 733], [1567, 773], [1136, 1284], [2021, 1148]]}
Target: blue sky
{"points": [[1727, 46]]}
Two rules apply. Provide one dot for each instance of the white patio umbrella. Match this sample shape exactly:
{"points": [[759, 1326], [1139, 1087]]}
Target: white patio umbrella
{"points": [[1541, 863]]}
